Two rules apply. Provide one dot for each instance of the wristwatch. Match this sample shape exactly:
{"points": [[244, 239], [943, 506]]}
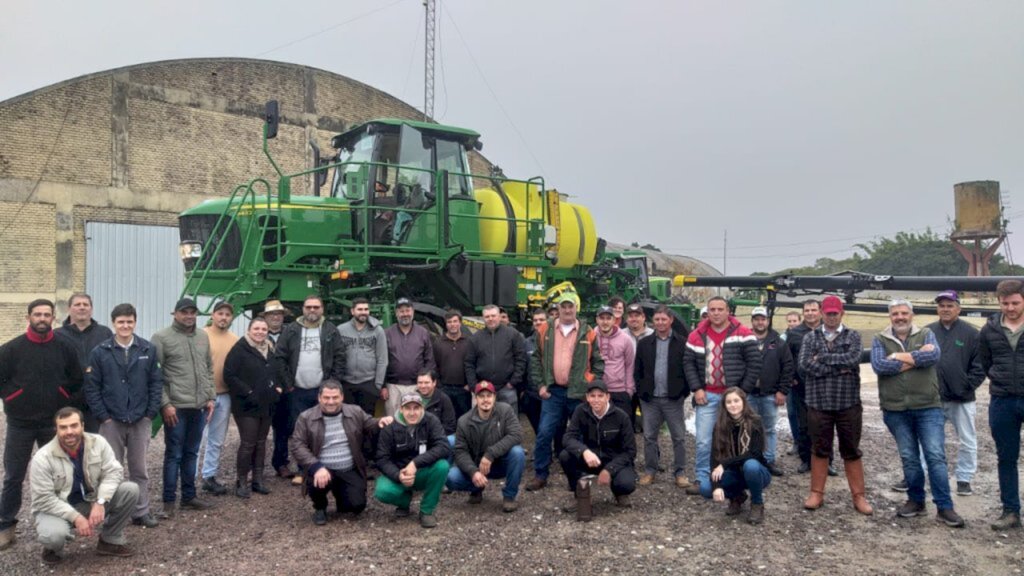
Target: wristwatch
{"points": [[101, 501]]}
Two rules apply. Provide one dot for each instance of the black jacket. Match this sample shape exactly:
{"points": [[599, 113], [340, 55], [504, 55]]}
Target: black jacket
{"points": [[959, 368], [124, 389], [251, 381], [493, 438], [795, 339], [399, 444], [84, 340], [1003, 365], [776, 366], [37, 379], [441, 406], [498, 357], [611, 437], [289, 344], [643, 367]]}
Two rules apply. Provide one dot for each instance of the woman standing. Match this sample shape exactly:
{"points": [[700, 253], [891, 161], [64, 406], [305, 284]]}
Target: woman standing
{"points": [[254, 393], [737, 457]]}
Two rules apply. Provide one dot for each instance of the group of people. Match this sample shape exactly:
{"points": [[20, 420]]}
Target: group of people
{"points": [[91, 398]]}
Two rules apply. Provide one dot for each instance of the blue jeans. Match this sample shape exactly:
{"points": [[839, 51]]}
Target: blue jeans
{"points": [[510, 467], [961, 415], [215, 433], [554, 416], [1005, 416], [181, 453], [769, 413], [753, 477], [916, 431], [796, 411], [705, 424]]}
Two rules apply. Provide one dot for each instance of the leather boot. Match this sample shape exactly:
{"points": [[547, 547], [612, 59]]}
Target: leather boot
{"points": [[855, 477], [819, 475]]}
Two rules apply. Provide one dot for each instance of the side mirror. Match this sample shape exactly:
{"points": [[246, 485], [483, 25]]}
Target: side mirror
{"points": [[320, 176], [272, 117]]}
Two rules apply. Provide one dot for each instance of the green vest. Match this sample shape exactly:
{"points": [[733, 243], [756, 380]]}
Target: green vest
{"points": [[915, 389]]}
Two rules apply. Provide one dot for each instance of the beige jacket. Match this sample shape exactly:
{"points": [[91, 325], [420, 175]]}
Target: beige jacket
{"points": [[53, 474]]}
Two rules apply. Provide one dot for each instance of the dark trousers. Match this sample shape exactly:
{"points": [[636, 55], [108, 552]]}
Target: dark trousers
{"points": [[252, 447], [530, 405], [624, 401], [825, 425], [796, 410], [281, 432], [1005, 417], [349, 489], [18, 443], [362, 394], [181, 453], [462, 400], [623, 481]]}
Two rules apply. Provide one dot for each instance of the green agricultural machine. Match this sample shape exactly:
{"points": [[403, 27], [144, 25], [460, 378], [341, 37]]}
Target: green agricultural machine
{"points": [[397, 213]]}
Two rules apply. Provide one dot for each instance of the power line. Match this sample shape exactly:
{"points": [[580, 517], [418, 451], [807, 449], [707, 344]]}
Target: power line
{"points": [[330, 28], [800, 243]]}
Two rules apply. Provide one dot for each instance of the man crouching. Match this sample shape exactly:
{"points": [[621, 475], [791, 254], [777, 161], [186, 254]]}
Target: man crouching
{"points": [[76, 482]]}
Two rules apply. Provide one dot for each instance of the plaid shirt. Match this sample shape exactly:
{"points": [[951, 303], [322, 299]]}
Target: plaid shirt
{"points": [[831, 370]]}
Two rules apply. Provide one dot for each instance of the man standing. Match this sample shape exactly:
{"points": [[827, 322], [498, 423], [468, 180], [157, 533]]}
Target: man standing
{"points": [[661, 387], [85, 333], [221, 340], [530, 401], [830, 363], [326, 443], [123, 388], [450, 351], [599, 440], [566, 360], [772, 386], [366, 357], [636, 321], [186, 404], [720, 353], [618, 351], [308, 352], [77, 483], [904, 357], [497, 354], [960, 374], [409, 351], [488, 446], [796, 402], [1003, 360], [39, 374], [274, 313]]}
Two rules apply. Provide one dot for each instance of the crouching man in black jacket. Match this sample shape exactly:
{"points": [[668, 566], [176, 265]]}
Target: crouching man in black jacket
{"points": [[599, 440]]}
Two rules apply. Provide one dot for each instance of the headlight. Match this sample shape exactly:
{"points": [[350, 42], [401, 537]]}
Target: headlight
{"points": [[190, 250]]}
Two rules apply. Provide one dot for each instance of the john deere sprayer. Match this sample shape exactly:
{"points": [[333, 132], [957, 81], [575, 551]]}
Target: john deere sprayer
{"points": [[398, 213]]}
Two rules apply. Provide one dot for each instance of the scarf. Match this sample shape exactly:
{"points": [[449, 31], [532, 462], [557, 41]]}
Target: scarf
{"points": [[263, 349]]}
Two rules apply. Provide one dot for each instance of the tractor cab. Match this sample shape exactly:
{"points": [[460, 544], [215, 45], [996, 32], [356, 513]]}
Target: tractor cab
{"points": [[391, 171]]}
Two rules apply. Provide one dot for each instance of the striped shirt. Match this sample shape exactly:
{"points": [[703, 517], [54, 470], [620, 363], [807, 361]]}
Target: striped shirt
{"points": [[336, 453]]}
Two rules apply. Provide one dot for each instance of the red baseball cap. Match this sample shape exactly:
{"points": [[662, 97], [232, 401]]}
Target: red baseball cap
{"points": [[484, 386], [831, 304]]}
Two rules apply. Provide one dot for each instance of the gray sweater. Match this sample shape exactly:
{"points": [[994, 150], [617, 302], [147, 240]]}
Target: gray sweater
{"points": [[366, 352]]}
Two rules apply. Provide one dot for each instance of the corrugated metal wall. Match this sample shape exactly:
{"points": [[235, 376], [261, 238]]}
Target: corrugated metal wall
{"points": [[136, 264]]}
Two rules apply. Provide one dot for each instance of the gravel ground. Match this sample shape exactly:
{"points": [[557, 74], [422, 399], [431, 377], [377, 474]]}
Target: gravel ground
{"points": [[665, 531]]}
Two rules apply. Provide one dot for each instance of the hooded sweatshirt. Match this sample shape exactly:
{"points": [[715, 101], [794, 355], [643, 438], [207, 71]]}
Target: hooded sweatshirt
{"points": [[366, 352], [618, 351]]}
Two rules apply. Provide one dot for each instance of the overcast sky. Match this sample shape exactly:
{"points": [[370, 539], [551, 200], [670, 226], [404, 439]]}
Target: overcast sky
{"points": [[799, 127]]}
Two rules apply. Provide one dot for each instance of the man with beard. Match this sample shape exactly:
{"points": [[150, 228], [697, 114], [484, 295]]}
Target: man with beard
{"points": [[904, 357], [85, 333], [77, 484], [366, 357], [409, 351], [274, 313], [221, 340], [772, 386], [530, 401], [497, 354], [308, 352], [39, 374], [796, 402], [450, 351]]}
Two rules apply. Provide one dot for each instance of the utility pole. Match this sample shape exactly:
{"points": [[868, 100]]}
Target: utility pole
{"points": [[428, 59]]}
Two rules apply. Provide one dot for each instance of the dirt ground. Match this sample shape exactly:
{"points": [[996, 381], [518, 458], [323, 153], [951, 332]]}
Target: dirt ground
{"points": [[665, 531]]}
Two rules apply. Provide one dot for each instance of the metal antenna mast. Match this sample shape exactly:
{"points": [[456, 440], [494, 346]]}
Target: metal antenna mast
{"points": [[428, 59]]}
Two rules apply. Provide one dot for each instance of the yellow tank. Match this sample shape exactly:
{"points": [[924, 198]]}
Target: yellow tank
{"points": [[576, 235]]}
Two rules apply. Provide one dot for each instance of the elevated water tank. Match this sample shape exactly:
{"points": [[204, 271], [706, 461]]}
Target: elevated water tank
{"points": [[978, 210]]}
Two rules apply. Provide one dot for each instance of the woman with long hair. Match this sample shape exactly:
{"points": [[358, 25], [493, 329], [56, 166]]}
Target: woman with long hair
{"points": [[254, 393], [737, 457]]}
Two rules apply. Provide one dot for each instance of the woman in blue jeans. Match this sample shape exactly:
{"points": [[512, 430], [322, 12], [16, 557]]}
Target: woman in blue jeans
{"points": [[737, 457]]}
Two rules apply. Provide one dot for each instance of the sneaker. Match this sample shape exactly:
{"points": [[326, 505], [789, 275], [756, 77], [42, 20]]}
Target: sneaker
{"points": [[1006, 521], [195, 504], [622, 501], [963, 489], [537, 483], [911, 509], [756, 514], [509, 505], [476, 497], [402, 512], [900, 486], [774, 470], [428, 520], [646, 480], [804, 468], [7, 538], [242, 490], [213, 487], [320, 517], [104, 548], [683, 482], [693, 489], [950, 518], [51, 557], [147, 521]]}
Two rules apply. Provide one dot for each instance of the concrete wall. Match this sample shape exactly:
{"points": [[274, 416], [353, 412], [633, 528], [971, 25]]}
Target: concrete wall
{"points": [[138, 145]]}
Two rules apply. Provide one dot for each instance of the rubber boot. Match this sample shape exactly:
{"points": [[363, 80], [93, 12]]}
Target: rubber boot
{"points": [[855, 477], [819, 475]]}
